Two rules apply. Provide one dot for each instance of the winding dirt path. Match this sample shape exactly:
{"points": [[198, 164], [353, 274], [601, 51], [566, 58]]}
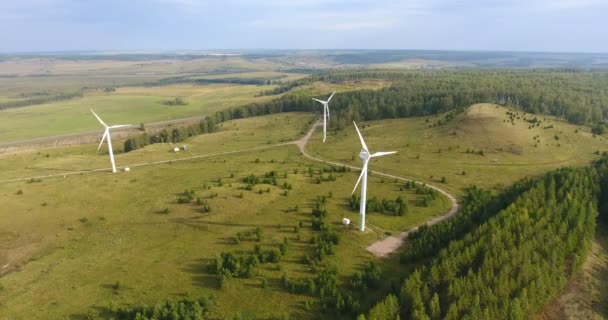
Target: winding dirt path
{"points": [[380, 248], [388, 245]]}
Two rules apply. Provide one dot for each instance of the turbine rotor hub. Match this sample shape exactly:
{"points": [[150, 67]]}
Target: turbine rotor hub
{"points": [[364, 155]]}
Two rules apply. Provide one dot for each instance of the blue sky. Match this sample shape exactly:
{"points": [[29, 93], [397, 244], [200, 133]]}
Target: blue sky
{"points": [[166, 25]]}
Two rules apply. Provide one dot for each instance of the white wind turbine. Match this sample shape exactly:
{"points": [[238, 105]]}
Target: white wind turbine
{"points": [[365, 157], [325, 114], [106, 134]]}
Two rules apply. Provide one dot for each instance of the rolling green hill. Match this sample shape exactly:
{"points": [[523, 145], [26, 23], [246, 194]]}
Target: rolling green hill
{"points": [[429, 152]]}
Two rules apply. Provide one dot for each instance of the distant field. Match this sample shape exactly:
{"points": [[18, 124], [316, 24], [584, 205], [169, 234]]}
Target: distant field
{"points": [[430, 153], [107, 65], [83, 233], [137, 104], [127, 105]]}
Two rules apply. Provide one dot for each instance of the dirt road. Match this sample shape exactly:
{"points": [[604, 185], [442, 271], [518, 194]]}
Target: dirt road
{"points": [[390, 244], [381, 248]]}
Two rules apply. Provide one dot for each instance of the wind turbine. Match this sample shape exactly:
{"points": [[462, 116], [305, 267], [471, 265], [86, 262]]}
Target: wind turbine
{"points": [[106, 134], [365, 157], [325, 114]]}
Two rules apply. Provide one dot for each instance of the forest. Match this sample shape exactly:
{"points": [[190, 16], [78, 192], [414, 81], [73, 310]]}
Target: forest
{"points": [[498, 268], [576, 96]]}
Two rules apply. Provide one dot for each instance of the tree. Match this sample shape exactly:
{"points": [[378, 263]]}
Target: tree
{"points": [[598, 129], [435, 307], [387, 309]]}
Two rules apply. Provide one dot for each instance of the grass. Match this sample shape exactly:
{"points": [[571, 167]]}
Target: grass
{"points": [[586, 294], [127, 105], [137, 104], [233, 135], [430, 153], [98, 229]]}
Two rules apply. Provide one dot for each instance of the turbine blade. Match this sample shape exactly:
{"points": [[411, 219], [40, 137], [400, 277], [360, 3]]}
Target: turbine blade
{"points": [[98, 118], [380, 154], [332, 95], [102, 139], [318, 100], [361, 138], [327, 110], [121, 126], [363, 171]]}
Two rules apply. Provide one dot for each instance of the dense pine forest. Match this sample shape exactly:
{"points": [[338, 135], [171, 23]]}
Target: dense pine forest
{"points": [[576, 96], [500, 268]]}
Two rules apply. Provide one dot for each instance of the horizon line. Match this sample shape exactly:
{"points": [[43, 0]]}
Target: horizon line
{"points": [[245, 50]]}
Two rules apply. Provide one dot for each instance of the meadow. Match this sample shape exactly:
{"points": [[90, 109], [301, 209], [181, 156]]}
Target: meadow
{"points": [[82, 242], [429, 152], [69, 247]]}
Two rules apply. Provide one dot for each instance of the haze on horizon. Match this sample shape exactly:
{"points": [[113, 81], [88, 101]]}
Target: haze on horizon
{"points": [[169, 25]]}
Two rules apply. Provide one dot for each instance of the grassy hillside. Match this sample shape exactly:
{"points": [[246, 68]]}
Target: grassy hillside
{"points": [[429, 152], [70, 240], [585, 296]]}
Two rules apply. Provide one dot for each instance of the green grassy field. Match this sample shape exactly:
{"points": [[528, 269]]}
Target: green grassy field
{"points": [[71, 239], [127, 105], [430, 153], [137, 104]]}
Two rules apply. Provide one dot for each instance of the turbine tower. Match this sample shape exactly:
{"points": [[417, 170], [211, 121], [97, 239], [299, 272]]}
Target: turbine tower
{"points": [[325, 114], [365, 157], [106, 134]]}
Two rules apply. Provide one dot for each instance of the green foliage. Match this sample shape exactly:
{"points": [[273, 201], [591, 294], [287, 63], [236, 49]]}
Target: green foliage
{"points": [[208, 125], [175, 102], [397, 207], [499, 270], [259, 234], [475, 208], [171, 310], [599, 128], [187, 196], [387, 309], [579, 97]]}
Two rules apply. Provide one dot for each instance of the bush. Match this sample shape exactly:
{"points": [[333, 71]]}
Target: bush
{"points": [[259, 234]]}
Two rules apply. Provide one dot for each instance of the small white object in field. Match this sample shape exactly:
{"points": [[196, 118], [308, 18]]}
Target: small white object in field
{"points": [[345, 221], [5, 266], [127, 169], [175, 149], [185, 147]]}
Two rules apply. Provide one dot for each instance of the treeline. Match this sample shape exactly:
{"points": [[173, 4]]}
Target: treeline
{"points": [[248, 81], [175, 135], [258, 81], [579, 97], [476, 207], [201, 308], [39, 98], [602, 168], [515, 261], [397, 207]]}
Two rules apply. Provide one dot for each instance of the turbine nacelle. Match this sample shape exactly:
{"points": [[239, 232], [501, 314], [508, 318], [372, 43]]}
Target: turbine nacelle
{"points": [[106, 137], [364, 155], [325, 114]]}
